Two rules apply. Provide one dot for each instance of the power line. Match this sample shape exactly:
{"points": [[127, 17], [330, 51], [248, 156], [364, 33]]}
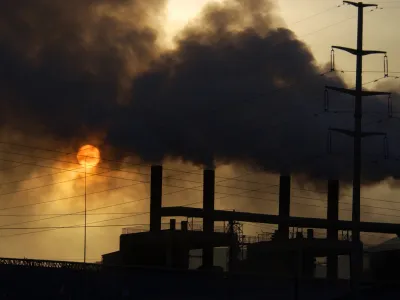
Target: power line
{"points": [[106, 220], [316, 14], [97, 174], [228, 195], [218, 198], [133, 214], [100, 167], [74, 170], [67, 198], [296, 196], [67, 153], [328, 26], [36, 177], [366, 71], [71, 227], [310, 198], [65, 214], [102, 158], [64, 169], [66, 181], [80, 212], [56, 228], [129, 213], [145, 182], [10, 168], [75, 196], [344, 195]]}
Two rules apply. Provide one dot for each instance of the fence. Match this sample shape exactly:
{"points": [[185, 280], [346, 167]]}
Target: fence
{"points": [[166, 226]]}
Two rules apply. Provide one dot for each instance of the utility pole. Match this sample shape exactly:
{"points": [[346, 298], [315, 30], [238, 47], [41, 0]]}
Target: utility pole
{"points": [[357, 135], [84, 236], [85, 227]]}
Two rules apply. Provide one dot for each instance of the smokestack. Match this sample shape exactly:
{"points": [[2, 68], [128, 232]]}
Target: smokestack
{"points": [[172, 224], [208, 208], [332, 232], [284, 205], [155, 198], [184, 225]]}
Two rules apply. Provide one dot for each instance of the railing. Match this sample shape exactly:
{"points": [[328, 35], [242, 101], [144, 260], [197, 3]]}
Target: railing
{"points": [[49, 264], [130, 230], [263, 237], [344, 235], [166, 226]]}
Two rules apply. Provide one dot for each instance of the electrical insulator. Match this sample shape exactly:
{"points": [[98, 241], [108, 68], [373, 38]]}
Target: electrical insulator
{"points": [[326, 100], [332, 60], [386, 66], [386, 147], [390, 106]]}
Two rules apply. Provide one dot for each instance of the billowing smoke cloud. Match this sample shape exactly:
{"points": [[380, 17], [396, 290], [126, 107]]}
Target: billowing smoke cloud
{"points": [[236, 88], [67, 65]]}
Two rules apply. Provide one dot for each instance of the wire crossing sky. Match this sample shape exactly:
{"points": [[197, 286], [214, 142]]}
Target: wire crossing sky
{"points": [[145, 83]]}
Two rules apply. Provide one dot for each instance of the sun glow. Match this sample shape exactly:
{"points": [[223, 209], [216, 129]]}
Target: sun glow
{"points": [[88, 156], [180, 13]]}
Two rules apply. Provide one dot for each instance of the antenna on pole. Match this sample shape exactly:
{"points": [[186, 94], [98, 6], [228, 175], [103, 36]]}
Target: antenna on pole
{"points": [[357, 134]]}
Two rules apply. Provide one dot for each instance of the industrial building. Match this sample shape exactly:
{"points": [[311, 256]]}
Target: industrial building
{"points": [[280, 265], [278, 254], [384, 260]]}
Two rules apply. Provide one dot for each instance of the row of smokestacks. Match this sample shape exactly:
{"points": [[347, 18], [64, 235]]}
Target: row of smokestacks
{"points": [[209, 206]]}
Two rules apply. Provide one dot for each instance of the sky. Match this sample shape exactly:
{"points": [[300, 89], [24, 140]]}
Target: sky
{"points": [[320, 24]]}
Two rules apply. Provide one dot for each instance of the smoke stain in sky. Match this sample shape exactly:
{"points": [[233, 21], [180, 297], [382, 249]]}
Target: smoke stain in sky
{"points": [[237, 87]]}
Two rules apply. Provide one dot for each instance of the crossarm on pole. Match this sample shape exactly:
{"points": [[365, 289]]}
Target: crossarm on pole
{"points": [[363, 134], [358, 4], [355, 52]]}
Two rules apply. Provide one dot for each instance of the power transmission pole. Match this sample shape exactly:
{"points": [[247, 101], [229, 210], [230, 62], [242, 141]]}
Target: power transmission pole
{"points": [[357, 134]]}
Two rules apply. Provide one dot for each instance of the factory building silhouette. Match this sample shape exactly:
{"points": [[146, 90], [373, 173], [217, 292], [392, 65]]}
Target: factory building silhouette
{"points": [[155, 263], [276, 253]]}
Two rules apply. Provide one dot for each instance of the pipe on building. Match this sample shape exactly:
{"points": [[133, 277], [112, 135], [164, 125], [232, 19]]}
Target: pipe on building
{"points": [[156, 197]]}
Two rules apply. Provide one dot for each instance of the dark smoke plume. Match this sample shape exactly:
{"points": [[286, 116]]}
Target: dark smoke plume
{"points": [[237, 88]]}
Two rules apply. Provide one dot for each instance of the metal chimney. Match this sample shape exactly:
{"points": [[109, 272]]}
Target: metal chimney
{"points": [[172, 224], [184, 225], [332, 231], [155, 198], [284, 205], [208, 208]]}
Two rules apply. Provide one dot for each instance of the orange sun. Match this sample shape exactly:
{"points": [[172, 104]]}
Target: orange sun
{"points": [[88, 156]]}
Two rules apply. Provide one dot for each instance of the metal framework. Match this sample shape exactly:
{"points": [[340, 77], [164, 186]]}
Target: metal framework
{"points": [[222, 215], [357, 135]]}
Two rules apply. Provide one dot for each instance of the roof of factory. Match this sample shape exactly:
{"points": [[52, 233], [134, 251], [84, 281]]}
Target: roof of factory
{"points": [[392, 244]]}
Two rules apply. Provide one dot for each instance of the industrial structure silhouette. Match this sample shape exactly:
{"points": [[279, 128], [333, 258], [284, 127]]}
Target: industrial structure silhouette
{"points": [[155, 263]]}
